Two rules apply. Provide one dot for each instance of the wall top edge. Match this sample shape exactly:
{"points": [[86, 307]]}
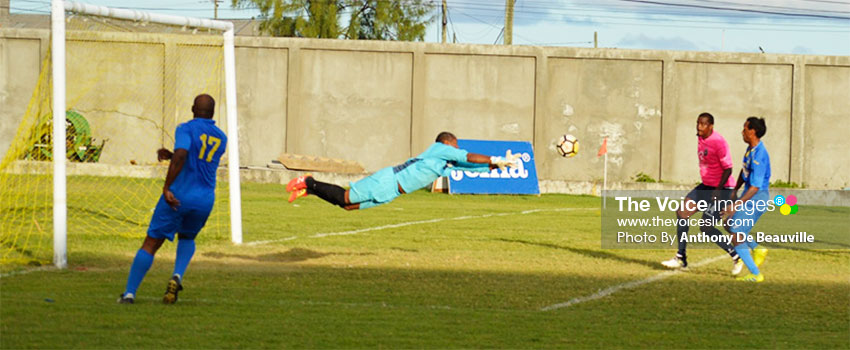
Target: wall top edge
{"points": [[496, 50], [24, 33]]}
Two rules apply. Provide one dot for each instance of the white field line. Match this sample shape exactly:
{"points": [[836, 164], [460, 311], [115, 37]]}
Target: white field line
{"points": [[628, 285], [411, 223], [24, 272]]}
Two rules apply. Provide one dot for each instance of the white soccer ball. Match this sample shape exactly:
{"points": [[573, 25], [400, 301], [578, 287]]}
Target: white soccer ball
{"points": [[567, 146]]}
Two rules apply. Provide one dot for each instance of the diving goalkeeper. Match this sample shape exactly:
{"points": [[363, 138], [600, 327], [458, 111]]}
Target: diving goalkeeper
{"points": [[388, 183]]}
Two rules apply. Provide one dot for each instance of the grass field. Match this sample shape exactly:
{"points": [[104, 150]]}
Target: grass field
{"points": [[426, 271]]}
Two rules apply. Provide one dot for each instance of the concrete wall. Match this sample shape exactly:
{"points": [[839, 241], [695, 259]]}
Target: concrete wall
{"points": [[352, 105], [827, 106], [131, 125], [381, 102], [598, 98], [484, 97], [262, 95], [20, 63], [132, 89], [731, 92]]}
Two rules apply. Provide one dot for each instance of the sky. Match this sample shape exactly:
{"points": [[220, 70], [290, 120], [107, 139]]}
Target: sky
{"points": [[813, 27]]}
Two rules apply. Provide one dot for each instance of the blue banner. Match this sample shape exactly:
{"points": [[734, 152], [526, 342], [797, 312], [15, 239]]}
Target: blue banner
{"points": [[520, 180]]}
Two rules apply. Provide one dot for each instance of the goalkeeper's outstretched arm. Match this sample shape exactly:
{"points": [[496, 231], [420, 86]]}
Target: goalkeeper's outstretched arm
{"points": [[480, 159], [509, 160]]}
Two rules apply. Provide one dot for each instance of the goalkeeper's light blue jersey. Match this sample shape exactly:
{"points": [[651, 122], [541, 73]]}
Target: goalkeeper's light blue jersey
{"points": [[421, 171], [205, 143]]}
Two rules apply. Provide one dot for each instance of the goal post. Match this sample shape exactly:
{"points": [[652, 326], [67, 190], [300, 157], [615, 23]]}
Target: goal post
{"points": [[60, 191], [58, 22]]}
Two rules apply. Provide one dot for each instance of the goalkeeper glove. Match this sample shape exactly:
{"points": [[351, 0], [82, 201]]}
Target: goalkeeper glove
{"points": [[499, 162], [503, 162], [513, 158]]}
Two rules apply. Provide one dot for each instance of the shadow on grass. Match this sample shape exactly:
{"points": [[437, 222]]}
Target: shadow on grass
{"points": [[589, 253], [406, 250], [107, 216], [826, 252], [429, 307], [292, 255]]}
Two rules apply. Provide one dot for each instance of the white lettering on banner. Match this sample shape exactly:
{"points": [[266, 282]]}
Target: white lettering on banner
{"points": [[508, 173]]}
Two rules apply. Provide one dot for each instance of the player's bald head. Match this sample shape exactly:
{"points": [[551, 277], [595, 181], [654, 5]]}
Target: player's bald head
{"points": [[204, 106]]}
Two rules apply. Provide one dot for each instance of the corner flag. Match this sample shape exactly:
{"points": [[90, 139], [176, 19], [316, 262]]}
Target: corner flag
{"points": [[604, 148], [603, 151]]}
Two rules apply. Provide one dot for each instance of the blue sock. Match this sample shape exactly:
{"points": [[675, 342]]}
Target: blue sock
{"points": [[752, 244], [185, 251], [141, 264], [743, 250]]}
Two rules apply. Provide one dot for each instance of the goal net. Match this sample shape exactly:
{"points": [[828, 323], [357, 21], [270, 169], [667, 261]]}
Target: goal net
{"points": [[129, 79]]}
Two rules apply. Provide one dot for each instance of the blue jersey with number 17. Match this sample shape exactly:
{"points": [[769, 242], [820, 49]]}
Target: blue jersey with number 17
{"points": [[205, 143]]}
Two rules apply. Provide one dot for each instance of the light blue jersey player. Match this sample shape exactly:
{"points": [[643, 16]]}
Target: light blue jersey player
{"points": [[187, 197], [755, 177], [388, 183]]}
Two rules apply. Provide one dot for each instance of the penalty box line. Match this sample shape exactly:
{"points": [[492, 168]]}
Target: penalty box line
{"points": [[628, 285], [411, 223]]}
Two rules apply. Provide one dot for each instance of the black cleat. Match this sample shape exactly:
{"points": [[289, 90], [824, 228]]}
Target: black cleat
{"points": [[174, 287], [126, 299]]}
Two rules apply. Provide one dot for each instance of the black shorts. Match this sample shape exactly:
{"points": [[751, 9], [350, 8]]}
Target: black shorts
{"points": [[704, 193]]}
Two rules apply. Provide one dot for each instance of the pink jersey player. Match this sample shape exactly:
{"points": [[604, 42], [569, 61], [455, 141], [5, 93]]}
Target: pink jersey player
{"points": [[715, 163], [714, 157]]}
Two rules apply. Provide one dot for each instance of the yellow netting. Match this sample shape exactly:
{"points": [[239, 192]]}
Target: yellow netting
{"points": [[129, 85]]}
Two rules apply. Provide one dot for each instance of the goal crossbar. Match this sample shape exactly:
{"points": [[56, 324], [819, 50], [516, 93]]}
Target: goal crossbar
{"points": [[135, 15], [60, 209]]}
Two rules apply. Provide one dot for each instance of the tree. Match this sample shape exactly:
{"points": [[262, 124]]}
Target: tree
{"points": [[366, 19]]}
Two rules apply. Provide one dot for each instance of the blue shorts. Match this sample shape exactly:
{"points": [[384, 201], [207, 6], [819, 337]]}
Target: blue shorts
{"points": [[745, 219], [186, 220], [376, 189]]}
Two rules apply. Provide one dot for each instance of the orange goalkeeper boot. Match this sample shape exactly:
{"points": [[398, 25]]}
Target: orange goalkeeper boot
{"points": [[298, 183], [297, 194]]}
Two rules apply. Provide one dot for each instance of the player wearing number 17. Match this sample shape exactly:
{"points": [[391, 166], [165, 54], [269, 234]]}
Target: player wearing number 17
{"points": [[187, 197]]}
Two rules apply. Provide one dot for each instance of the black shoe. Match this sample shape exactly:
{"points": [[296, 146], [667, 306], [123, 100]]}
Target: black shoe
{"points": [[174, 287], [126, 299]]}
